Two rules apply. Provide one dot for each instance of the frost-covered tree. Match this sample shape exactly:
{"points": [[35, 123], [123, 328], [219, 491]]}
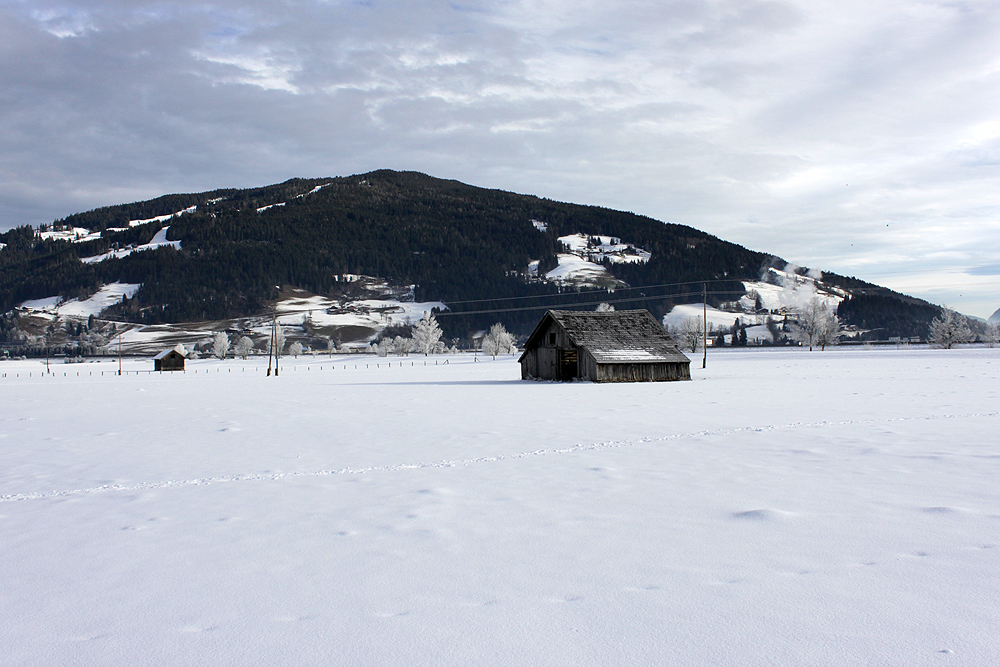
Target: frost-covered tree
{"points": [[498, 341], [403, 346], [220, 345], [279, 342], [605, 308], [244, 346], [295, 349], [992, 334], [690, 333], [426, 334], [817, 325], [949, 329]]}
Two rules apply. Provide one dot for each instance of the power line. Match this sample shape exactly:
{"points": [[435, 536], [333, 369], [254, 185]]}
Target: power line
{"points": [[596, 291], [553, 306]]}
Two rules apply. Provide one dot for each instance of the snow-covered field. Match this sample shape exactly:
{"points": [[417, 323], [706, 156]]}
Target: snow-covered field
{"points": [[784, 508]]}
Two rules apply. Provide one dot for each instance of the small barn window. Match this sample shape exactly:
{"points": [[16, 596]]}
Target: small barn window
{"points": [[552, 338]]}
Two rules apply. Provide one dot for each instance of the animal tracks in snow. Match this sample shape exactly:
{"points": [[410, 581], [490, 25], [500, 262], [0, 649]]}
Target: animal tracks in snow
{"points": [[255, 477]]}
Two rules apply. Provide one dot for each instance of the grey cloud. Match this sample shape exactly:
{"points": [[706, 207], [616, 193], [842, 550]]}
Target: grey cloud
{"points": [[790, 127]]}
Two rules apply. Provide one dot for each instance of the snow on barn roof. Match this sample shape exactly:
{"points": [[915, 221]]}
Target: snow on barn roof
{"points": [[621, 336], [177, 348]]}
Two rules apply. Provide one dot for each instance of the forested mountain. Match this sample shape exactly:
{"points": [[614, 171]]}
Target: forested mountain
{"points": [[466, 246]]}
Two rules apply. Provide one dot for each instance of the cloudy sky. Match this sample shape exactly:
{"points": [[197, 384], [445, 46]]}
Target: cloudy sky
{"points": [[856, 137]]}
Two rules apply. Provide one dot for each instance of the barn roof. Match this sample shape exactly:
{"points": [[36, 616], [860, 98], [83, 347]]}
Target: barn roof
{"points": [[177, 348], [620, 336]]}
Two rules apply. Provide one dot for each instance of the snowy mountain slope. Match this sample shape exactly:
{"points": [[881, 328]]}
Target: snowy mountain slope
{"points": [[455, 243], [786, 290]]}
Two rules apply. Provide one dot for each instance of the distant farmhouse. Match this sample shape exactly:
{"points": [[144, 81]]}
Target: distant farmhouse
{"points": [[169, 360], [616, 346]]}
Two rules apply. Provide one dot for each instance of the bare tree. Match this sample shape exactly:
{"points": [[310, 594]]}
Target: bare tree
{"points": [[220, 345], [949, 329], [426, 334], [690, 333]]}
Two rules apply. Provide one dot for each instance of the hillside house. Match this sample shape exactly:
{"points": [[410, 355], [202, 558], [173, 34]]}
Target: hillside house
{"points": [[169, 360], [616, 346]]}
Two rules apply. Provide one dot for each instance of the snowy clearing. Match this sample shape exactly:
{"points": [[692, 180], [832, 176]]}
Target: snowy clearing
{"points": [[74, 235], [783, 508], [106, 296], [717, 319], [159, 240], [575, 270], [596, 248]]}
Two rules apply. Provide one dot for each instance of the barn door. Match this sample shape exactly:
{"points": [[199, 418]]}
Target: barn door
{"points": [[567, 364]]}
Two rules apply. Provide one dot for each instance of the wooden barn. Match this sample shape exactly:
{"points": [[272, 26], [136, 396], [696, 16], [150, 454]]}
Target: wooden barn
{"points": [[616, 346], [169, 360]]}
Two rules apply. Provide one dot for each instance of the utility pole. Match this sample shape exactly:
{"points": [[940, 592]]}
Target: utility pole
{"points": [[274, 334], [276, 350], [270, 349], [120, 353], [704, 324]]}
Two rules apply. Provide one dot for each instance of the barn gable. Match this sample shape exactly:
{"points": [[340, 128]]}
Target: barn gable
{"points": [[615, 346]]}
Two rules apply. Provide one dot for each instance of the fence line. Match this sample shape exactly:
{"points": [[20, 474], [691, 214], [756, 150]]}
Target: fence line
{"points": [[218, 369]]}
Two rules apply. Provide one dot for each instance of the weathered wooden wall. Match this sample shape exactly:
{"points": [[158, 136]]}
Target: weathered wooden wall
{"points": [[543, 362], [645, 372]]}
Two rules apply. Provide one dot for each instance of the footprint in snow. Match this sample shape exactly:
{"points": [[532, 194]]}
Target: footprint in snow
{"points": [[938, 510], [762, 515]]}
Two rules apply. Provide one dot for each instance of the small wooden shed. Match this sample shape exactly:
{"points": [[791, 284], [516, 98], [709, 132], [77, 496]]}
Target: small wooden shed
{"points": [[169, 360], [615, 346]]}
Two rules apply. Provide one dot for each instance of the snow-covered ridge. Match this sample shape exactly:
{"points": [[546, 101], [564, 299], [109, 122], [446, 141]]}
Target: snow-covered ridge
{"points": [[159, 240], [163, 218], [304, 194], [82, 234], [264, 208]]}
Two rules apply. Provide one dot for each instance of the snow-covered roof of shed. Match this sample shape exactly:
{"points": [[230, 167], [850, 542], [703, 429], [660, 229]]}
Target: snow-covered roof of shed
{"points": [[620, 336], [177, 348]]}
